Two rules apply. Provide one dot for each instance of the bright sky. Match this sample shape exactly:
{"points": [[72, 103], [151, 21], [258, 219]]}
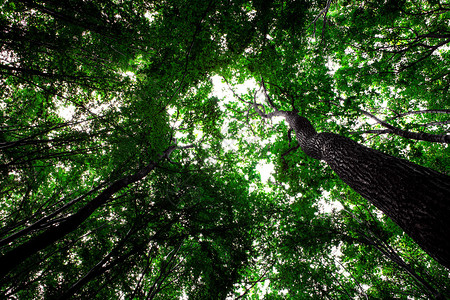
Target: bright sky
{"points": [[265, 169], [222, 91]]}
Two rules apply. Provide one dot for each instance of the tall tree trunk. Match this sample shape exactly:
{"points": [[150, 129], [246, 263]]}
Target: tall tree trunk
{"points": [[414, 197], [14, 257]]}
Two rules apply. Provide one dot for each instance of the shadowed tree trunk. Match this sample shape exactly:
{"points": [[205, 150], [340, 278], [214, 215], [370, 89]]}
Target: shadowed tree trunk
{"points": [[16, 256], [414, 197]]}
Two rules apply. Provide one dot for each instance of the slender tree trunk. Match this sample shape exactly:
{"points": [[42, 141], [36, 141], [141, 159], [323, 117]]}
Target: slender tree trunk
{"points": [[46, 219], [372, 239], [14, 257], [102, 267], [414, 197]]}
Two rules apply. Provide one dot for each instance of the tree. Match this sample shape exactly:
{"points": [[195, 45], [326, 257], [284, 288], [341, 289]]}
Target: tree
{"points": [[414, 197], [126, 174]]}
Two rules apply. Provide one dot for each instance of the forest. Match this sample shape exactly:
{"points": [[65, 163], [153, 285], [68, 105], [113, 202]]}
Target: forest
{"points": [[224, 149]]}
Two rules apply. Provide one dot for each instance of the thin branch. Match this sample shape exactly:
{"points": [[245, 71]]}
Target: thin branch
{"points": [[423, 111], [322, 12], [287, 152], [198, 27], [374, 131], [234, 93], [435, 123], [285, 93], [421, 136], [261, 278], [79, 105], [325, 20], [269, 100]]}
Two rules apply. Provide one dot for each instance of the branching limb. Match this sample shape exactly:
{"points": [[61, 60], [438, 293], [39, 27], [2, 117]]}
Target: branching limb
{"points": [[375, 131], [269, 100], [423, 111], [260, 279], [438, 138], [263, 114], [286, 153], [325, 19], [435, 123], [323, 12], [187, 59], [234, 93], [249, 103], [178, 147], [285, 93], [17, 255]]}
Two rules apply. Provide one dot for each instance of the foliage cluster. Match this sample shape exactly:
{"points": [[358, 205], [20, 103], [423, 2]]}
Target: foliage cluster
{"points": [[109, 107]]}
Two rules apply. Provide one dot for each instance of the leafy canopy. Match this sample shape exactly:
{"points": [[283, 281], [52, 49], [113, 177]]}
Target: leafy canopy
{"points": [[92, 92]]}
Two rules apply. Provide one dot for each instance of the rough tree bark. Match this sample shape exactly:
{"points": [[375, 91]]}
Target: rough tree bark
{"points": [[414, 197]]}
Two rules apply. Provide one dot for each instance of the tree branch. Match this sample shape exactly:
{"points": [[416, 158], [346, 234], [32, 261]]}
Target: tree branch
{"points": [[415, 112], [420, 136], [269, 100]]}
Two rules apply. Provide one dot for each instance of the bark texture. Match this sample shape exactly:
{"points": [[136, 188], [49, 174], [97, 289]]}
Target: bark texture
{"points": [[414, 197]]}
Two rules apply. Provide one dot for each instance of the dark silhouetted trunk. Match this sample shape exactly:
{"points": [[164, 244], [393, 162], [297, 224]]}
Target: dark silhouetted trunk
{"points": [[414, 197], [17, 255]]}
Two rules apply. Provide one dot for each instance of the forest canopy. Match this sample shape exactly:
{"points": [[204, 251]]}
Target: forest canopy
{"points": [[133, 135]]}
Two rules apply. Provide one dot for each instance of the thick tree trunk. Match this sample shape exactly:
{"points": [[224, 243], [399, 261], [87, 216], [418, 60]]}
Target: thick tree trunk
{"points": [[414, 197]]}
